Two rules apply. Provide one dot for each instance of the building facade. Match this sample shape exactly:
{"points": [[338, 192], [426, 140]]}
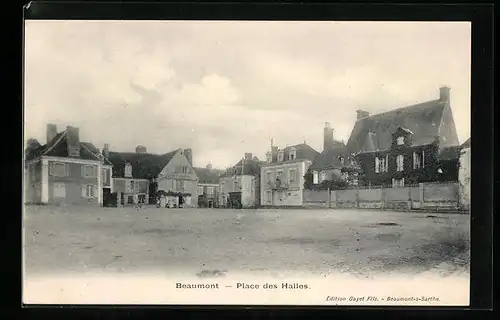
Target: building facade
{"points": [[208, 186], [240, 185], [65, 170], [405, 146], [282, 177], [141, 177]]}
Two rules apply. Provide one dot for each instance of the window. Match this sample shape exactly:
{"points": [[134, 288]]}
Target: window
{"points": [[130, 199], [398, 183], [377, 165], [341, 160], [59, 190], [278, 174], [179, 185], [210, 190], [89, 171], [323, 176], [292, 154], [281, 155], [235, 185], [105, 177], [200, 189], [399, 162], [128, 170], [315, 177], [292, 175], [417, 163], [269, 177], [269, 196], [89, 191], [381, 164], [131, 186], [59, 169], [400, 141]]}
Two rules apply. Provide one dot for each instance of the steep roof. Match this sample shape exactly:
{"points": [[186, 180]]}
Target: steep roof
{"points": [[144, 165], [330, 158], [303, 152], [58, 147], [206, 175], [244, 167], [449, 153], [466, 144], [375, 132]]}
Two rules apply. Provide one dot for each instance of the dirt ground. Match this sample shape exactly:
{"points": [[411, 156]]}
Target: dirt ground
{"points": [[210, 241]]}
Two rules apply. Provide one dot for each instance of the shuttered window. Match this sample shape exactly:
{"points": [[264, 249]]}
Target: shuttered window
{"points": [[59, 169], [89, 191], [377, 165], [89, 171]]}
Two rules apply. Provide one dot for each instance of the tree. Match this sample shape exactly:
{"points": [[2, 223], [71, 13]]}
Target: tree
{"points": [[334, 184]]}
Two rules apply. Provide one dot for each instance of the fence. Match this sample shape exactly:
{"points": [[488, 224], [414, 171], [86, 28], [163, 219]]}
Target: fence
{"points": [[421, 196]]}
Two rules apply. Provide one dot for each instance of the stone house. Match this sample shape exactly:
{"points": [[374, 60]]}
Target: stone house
{"points": [[282, 176], [208, 186], [65, 170], [139, 177], [241, 183], [406, 146]]}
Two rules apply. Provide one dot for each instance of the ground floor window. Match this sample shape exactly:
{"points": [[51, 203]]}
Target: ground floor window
{"points": [[269, 196], [398, 183], [89, 191], [59, 190], [130, 199]]}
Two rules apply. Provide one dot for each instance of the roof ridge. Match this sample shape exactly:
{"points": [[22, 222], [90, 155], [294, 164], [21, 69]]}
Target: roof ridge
{"points": [[420, 104]]}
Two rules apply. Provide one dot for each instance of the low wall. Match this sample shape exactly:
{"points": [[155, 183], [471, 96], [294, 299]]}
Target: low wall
{"points": [[424, 196]]}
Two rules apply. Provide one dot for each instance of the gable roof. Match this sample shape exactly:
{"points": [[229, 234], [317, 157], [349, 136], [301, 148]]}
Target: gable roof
{"points": [[449, 153], [144, 165], [58, 147], [375, 132], [302, 152], [206, 175], [330, 158]]}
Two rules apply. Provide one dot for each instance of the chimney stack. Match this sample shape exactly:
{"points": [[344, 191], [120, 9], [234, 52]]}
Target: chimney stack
{"points": [[444, 94], [73, 141], [140, 149], [360, 114], [248, 156], [327, 137], [105, 151], [51, 132], [188, 153], [274, 153], [209, 166]]}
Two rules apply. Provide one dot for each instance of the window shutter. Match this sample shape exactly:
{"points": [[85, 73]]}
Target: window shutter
{"points": [[423, 157], [83, 170], [386, 163], [84, 193], [377, 165]]}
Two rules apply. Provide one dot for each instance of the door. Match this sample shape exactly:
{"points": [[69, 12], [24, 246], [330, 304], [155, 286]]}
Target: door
{"points": [[106, 197]]}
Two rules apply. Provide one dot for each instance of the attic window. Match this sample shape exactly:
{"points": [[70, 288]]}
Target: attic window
{"points": [[341, 158], [128, 170], [400, 141], [292, 154]]}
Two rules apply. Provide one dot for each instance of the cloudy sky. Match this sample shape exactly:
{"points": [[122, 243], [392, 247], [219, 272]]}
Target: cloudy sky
{"points": [[225, 88]]}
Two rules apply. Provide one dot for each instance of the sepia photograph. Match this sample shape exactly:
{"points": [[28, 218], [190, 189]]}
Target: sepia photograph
{"points": [[246, 162]]}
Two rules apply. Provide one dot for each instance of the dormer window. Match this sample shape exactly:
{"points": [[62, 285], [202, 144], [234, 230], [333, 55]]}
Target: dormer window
{"points": [[281, 155], [400, 141], [292, 155], [341, 158], [128, 170]]}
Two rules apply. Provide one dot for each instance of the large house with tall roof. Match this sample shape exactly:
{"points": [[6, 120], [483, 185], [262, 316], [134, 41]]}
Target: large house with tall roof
{"points": [[408, 145], [239, 185], [139, 174], [208, 186], [282, 176], [65, 170]]}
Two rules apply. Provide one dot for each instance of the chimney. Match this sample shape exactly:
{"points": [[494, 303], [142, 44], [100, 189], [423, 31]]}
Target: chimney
{"points": [[444, 94], [188, 153], [105, 151], [51, 132], [209, 166], [73, 142], [274, 154], [140, 149], [360, 114], [248, 156], [327, 137]]}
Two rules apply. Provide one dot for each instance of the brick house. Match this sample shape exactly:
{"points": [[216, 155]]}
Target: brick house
{"points": [[208, 186], [140, 176], [282, 176], [66, 170], [409, 145], [241, 183]]}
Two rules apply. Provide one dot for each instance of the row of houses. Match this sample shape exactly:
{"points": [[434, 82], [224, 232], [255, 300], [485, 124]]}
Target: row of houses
{"points": [[406, 146]]}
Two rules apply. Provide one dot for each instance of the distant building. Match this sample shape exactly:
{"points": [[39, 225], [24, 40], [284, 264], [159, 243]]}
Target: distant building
{"points": [[208, 186], [282, 176], [240, 184], [136, 174], [65, 170], [407, 145], [464, 174]]}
